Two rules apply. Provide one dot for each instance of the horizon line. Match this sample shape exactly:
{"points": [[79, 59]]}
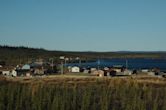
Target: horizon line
{"points": [[90, 51]]}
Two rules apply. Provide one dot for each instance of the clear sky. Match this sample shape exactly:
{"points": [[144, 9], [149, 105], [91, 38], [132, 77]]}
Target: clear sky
{"points": [[84, 25]]}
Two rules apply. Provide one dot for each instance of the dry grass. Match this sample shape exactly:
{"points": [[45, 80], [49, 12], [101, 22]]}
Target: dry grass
{"points": [[63, 92], [72, 79]]}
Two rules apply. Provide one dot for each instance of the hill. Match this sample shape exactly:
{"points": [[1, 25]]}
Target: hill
{"points": [[15, 55]]}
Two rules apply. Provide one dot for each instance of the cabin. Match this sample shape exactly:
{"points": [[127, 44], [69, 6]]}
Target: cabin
{"points": [[28, 74], [99, 73], [75, 69], [38, 71], [26, 67], [86, 71], [118, 68], [8, 71], [13, 73], [92, 70]]}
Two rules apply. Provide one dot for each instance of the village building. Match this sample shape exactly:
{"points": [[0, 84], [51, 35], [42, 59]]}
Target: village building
{"points": [[92, 70], [99, 73], [86, 71], [26, 67], [13, 73], [38, 71], [8, 71], [118, 68], [75, 69]]}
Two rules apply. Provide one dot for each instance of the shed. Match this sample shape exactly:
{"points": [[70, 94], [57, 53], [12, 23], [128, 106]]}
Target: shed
{"points": [[99, 73], [75, 69], [14, 73], [6, 73], [26, 67], [38, 71], [118, 68]]}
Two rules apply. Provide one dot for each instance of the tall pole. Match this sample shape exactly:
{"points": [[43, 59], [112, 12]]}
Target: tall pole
{"points": [[62, 67], [80, 62], [98, 63], [126, 64], [66, 59], [52, 64], [65, 62]]}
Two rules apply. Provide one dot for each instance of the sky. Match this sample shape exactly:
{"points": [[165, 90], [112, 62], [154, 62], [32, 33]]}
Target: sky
{"points": [[84, 25]]}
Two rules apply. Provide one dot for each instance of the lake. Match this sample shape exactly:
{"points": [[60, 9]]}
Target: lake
{"points": [[138, 63]]}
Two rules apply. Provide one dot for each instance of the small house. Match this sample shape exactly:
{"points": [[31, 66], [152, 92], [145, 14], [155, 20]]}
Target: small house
{"points": [[118, 68], [106, 69], [86, 71], [144, 70], [99, 73], [26, 67], [13, 73], [75, 69], [9, 73], [6, 72], [28, 74], [39, 71], [69, 69], [92, 70], [151, 73]]}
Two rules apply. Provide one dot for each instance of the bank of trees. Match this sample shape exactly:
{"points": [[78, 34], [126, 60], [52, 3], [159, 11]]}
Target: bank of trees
{"points": [[17, 55]]}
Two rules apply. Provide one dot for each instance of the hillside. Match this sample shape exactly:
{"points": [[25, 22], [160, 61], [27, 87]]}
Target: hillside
{"points": [[15, 55]]}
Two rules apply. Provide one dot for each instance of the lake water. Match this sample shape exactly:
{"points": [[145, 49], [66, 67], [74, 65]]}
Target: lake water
{"points": [[138, 63]]}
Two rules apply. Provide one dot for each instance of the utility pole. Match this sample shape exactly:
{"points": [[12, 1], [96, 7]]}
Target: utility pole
{"points": [[126, 64], [98, 63], [62, 69], [79, 60], [66, 59], [52, 64]]}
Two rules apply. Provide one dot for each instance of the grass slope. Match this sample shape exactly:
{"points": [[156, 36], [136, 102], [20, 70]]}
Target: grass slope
{"points": [[83, 93]]}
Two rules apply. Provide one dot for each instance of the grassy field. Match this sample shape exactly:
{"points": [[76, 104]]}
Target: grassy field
{"points": [[70, 92]]}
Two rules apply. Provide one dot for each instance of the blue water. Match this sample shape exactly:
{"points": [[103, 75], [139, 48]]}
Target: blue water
{"points": [[138, 63]]}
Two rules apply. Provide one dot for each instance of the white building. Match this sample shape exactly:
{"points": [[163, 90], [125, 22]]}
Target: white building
{"points": [[13, 73], [6, 73], [26, 67], [9, 73], [75, 69]]}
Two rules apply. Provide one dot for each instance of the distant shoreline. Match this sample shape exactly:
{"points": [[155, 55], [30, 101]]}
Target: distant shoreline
{"points": [[14, 55]]}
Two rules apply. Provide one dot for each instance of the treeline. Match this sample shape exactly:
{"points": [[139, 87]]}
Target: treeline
{"points": [[97, 94], [16, 55]]}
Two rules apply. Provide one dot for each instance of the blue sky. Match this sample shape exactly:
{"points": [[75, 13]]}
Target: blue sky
{"points": [[84, 25]]}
